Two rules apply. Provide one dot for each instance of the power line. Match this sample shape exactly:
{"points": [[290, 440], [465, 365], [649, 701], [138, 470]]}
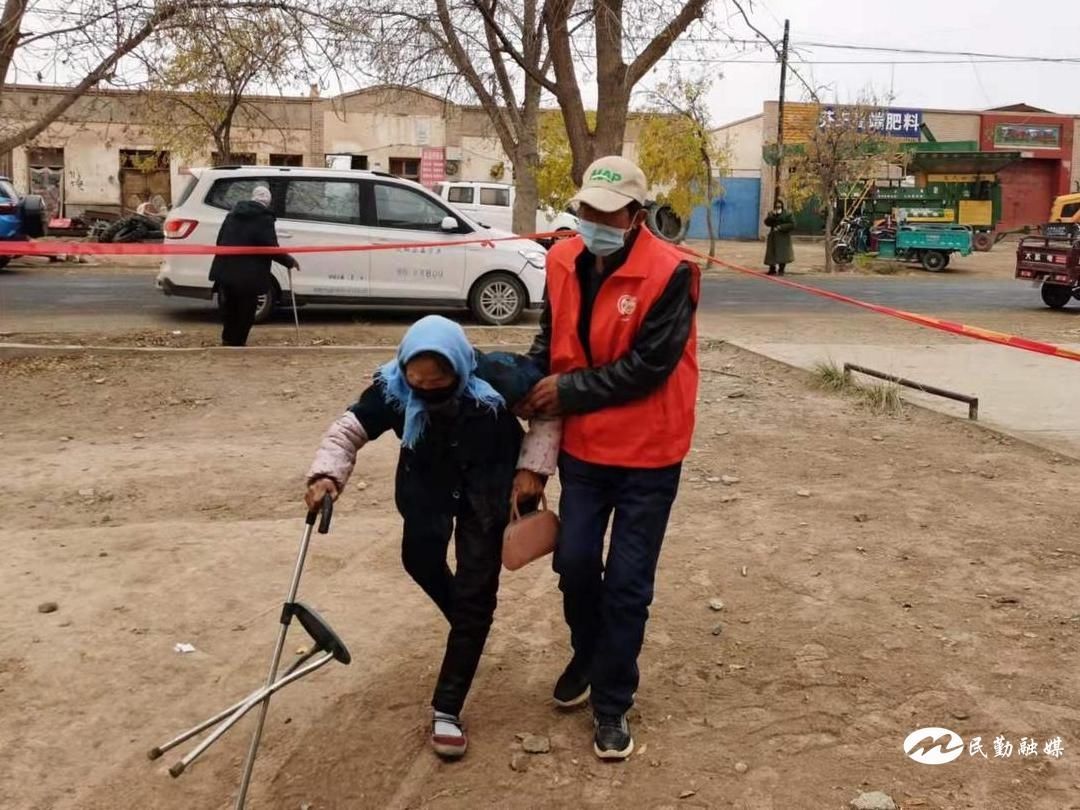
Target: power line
{"points": [[890, 49], [926, 51]]}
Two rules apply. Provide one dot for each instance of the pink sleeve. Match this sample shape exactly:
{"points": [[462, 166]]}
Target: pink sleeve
{"points": [[336, 455], [540, 448]]}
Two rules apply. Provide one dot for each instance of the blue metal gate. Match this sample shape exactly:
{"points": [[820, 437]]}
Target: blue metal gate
{"points": [[735, 212]]}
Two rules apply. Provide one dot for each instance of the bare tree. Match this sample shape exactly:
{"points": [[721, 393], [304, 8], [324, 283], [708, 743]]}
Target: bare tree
{"points": [[657, 24], [677, 150], [203, 73], [86, 43], [848, 147], [455, 47]]}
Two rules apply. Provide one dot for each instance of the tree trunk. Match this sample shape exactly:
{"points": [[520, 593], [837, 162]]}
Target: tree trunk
{"points": [[527, 192], [830, 217], [708, 203], [10, 24]]}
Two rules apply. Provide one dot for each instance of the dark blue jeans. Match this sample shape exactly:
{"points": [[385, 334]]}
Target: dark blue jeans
{"points": [[606, 605]]}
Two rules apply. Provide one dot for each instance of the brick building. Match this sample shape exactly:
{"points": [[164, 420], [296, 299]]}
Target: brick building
{"points": [[102, 154], [1039, 147]]}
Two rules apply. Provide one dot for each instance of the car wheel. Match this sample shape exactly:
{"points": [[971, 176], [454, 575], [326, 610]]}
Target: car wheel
{"points": [[983, 241], [263, 309], [4, 261], [934, 260], [34, 215], [498, 299], [1056, 296]]}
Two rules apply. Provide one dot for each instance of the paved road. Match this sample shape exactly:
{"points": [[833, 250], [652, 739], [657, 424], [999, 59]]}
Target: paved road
{"points": [[42, 293]]}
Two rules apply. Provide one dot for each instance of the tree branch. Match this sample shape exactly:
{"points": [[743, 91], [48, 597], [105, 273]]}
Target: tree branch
{"points": [[662, 42], [512, 51]]}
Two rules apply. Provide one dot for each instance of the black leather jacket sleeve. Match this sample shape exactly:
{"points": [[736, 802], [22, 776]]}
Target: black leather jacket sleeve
{"points": [[540, 351], [655, 353]]}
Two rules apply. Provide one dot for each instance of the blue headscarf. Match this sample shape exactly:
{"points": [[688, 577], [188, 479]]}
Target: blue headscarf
{"points": [[447, 339]]}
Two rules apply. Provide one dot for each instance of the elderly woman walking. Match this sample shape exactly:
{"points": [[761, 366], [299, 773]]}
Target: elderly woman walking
{"points": [[241, 279], [779, 252]]}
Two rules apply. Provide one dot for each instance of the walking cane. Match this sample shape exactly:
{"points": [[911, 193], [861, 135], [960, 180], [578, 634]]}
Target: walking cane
{"points": [[325, 644], [295, 314]]}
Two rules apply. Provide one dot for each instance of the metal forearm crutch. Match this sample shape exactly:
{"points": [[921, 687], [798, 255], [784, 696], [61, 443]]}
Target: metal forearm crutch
{"points": [[326, 646]]}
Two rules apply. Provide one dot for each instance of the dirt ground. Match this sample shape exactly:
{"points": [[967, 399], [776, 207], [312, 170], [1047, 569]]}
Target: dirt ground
{"points": [[878, 574]]}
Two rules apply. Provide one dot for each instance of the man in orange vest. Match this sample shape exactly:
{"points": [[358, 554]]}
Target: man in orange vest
{"points": [[618, 342]]}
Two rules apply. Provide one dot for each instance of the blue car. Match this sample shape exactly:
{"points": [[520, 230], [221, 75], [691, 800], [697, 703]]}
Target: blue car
{"points": [[21, 218]]}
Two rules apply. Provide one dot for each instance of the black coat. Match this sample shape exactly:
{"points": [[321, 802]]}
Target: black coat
{"points": [[249, 224], [472, 455]]}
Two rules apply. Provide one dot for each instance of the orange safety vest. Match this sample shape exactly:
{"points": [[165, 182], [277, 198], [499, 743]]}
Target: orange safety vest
{"points": [[651, 432]]}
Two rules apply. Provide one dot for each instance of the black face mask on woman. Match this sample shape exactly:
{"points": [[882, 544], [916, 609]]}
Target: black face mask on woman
{"points": [[442, 401]]}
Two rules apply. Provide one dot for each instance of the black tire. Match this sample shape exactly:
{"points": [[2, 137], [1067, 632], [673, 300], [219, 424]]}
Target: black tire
{"points": [[948, 258], [110, 231], [934, 260], [34, 215], [842, 254], [4, 261], [132, 231], [1056, 296], [982, 241], [264, 310], [498, 299], [665, 223]]}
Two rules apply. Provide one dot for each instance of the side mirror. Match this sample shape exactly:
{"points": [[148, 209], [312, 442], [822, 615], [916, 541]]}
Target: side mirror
{"points": [[450, 224]]}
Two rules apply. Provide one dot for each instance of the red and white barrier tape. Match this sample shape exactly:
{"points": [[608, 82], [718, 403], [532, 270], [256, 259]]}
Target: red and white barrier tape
{"points": [[988, 335], [60, 248]]}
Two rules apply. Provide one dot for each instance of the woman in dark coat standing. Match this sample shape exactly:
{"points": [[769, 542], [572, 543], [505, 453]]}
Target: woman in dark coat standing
{"points": [[778, 249], [242, 279]]}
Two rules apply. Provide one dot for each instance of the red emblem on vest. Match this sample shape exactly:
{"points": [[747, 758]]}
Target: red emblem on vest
{"points": [[627, 305]]}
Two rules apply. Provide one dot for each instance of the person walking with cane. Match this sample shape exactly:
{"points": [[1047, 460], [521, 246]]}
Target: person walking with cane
{"points": [[618, 339], [240, 279], [463, 457], [779, 252]]}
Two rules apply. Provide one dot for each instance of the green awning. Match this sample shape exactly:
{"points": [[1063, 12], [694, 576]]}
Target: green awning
{"points": [[961, 162]]}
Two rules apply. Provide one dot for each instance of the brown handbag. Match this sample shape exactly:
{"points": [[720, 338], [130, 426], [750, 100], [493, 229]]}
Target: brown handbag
{"points": [[530, 537]]}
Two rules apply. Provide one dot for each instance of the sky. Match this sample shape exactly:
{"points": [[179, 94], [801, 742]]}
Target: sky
{"points": [[745, 75], [1035, 28]]}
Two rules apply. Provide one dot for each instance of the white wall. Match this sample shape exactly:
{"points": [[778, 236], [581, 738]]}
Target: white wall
{"points": [[742, 141]]}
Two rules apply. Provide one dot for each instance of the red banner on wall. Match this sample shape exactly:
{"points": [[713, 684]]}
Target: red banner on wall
{"points": [[432, 165]]}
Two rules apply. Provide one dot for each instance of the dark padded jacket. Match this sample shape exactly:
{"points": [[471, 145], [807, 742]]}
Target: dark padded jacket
{"points": [[659, 343], [249, 224], [472, 455]]}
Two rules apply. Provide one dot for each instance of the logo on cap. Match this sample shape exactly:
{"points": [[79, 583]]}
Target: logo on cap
{"points": [[607, 175]]}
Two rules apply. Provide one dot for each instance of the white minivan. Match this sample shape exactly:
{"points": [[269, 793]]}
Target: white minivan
{"points": [[497, 281], [492, 205]]}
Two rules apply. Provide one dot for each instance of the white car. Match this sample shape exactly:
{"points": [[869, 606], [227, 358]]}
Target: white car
{"points": [[497, 281], [492, 205]]}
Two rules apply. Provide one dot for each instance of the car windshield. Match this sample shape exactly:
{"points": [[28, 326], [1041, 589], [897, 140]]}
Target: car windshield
{"points": [[7, 190]]}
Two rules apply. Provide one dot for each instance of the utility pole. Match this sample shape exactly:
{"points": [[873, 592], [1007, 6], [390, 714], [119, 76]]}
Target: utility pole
{"points": [[780, 115]]}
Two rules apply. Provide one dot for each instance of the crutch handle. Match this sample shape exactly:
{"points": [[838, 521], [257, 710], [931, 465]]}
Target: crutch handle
{"points": [[325, 512]]}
